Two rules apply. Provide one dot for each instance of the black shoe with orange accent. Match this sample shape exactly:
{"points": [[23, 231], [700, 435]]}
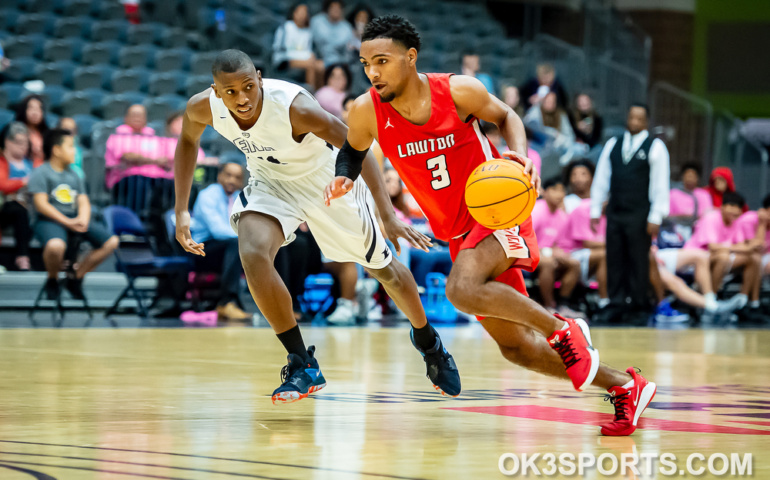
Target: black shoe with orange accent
{"points": [[299, 378], [441, 368]]}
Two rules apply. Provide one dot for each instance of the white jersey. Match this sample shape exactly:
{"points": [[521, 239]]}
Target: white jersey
{"points": [[270, 148]]}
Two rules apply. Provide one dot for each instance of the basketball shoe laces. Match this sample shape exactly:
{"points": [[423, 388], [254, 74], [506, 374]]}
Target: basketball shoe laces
{"points": [[567, 352], [620, 404], [287, 372]]}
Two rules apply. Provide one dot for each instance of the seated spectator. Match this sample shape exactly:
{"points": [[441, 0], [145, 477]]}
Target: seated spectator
{"points": [[552, 123], [211, 226], [68, 123], [471, 66], [586, 123], [493, 134], [751, 231], [534, 91], [721, 181], [332, 35], [579, 176], [549, 221], [588, 247], [331, 96], [359, 16], [63, 216], [293, 46], [715, 233], [31, 112], [15, 169], [688, 202], [510, 95]]}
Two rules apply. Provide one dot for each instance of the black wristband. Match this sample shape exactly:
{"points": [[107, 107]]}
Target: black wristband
{"points": [[349, 162]]}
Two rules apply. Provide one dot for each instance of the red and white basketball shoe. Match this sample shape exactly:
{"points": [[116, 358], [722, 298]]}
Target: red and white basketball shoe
{"points": [[573, 344], [629, 404]]}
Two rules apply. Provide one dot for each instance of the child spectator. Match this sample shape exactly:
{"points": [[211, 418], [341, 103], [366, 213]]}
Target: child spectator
{"points": [[689, 202], [578, 176], [293, 46]]}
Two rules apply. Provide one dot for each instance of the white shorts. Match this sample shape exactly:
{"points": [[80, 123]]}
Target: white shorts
{"points": [[668, 256], [765, 262], [346, 231], [583, 256]]}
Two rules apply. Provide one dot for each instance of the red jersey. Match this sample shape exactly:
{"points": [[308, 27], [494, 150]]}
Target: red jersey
{"points": [[435, 160]]}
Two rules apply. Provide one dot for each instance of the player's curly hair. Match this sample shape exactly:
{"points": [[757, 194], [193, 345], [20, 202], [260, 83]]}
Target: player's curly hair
{"points": [[395, 27]]}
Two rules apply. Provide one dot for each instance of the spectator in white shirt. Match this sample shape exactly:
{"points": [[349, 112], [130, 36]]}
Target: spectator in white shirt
{"points": [[293, 46]]}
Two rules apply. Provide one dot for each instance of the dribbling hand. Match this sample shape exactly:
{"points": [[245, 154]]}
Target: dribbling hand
{"points": [[529, 168], [395, 229], [184, 237], [338, 187]]}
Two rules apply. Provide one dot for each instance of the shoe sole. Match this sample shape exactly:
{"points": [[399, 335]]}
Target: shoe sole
{"points": [[291, 397], [648, 393], [594, 353], [438, 389]]}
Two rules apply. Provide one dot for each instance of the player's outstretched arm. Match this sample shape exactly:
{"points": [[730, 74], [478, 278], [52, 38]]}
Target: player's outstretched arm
{"points": [[472, 98], [196, 116]]}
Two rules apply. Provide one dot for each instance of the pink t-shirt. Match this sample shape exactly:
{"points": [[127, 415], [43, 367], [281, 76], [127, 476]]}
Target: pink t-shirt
{"points": [[331, 100], [148, 145], [682, 203], [711, 229], [548, 226], [746, 229], [578, 229]]}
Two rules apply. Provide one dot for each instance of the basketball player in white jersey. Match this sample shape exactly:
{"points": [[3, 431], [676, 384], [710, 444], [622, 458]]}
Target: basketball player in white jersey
{"points": [[289, 142]]}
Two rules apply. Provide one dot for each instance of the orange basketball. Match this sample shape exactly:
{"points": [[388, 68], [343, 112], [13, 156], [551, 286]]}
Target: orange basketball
{"points": [[499, 194]]}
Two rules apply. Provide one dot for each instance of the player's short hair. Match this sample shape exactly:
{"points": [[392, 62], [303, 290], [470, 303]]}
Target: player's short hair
{"points": [[231, 61], [733, 198], [54, 137], [394, 27], [641, 105], [552, 182], [691, 166], [577, 162]]}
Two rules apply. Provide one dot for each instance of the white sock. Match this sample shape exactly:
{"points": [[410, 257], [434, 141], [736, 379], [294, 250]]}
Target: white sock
{"points": [[629, 384], [741, 300], [711, 302], [603, 302], [754, 304]]}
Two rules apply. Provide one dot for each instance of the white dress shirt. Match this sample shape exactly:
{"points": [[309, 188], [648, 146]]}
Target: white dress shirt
{"points": [[660, 175]]}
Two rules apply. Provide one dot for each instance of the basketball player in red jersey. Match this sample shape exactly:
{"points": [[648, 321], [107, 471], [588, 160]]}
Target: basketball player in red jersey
{"points": [[428, 126]]}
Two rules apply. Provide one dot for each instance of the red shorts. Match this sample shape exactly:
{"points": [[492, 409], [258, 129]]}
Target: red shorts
{"points": [[519, 243]]}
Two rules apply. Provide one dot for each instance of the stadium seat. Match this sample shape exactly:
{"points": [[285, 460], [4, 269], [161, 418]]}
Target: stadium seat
{"points": [[94, 76], [8, 17], [77, 8], [76, 103], [31, 23], [25, 46], [11, 93], [136, 79], [174, 59], [21, 69], [166, 82], [109, 11], [144, 33], [54, 96], [200, 63], [101, 53], [6, 116], [161, 107], [173, 38], [72, 27], [196, 84], [58, 49], [114, 106], [57, 73], [109, 30], [85, 125], [140, 56]]}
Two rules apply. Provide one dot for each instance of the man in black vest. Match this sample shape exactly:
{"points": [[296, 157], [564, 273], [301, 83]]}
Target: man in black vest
{"points": [[633, 170]]}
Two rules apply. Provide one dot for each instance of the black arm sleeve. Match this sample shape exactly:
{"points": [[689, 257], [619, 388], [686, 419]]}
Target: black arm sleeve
{"points": [[349, 162]]}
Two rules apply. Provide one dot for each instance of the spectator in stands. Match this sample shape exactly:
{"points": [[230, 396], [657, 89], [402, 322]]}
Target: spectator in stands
{"points": [[550, 121], [586, 123], [716, 233], [579, 176], [131, 7], [688, 202], [31, 112], [633, 173], [63, 216], [15, 169], [337, 80], [332, 35], [493, 134], [347, 104], [511, 97], [293, 46], [359, 16], [471, 66], [751, 231], [721, 182], [211, 225], [68, 123], [535, 89], [588, 247], [549, 221]]}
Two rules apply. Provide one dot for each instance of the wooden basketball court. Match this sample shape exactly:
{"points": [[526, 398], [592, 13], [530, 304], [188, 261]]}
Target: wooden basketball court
{"points": [[194, 404]]}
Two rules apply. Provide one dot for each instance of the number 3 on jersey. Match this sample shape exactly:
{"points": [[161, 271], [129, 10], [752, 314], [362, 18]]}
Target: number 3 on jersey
{"points": [[437, 166]]}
